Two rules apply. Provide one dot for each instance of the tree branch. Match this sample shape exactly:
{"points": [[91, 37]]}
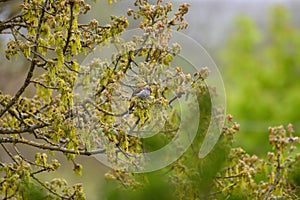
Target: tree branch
{"points": [[70, 28], [22, 130], [48, 147], [276, 180]]}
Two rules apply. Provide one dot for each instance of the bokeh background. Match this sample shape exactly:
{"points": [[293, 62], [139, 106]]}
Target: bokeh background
{"points": [[255, 44]]}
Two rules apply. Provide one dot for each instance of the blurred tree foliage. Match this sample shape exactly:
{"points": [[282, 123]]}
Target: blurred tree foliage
{"points": [[227, 173], [261, 71]]}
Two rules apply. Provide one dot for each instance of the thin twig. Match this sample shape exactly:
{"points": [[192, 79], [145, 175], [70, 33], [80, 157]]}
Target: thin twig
{"points": [[70, 28], [8, 152], [45, 86], [47, 188], [276, 179]]}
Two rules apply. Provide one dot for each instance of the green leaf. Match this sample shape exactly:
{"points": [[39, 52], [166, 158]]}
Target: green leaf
{"points": [[78, 169]]}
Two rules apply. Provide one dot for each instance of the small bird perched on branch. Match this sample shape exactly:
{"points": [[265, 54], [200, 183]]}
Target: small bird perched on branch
{"points": [[142, 92]]}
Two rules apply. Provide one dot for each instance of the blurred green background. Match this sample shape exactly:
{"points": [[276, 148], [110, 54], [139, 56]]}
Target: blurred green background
{"points": [[256, 46], [261, 70]]}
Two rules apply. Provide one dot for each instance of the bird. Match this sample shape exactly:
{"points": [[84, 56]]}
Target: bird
{"points": [[142, 92]]}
